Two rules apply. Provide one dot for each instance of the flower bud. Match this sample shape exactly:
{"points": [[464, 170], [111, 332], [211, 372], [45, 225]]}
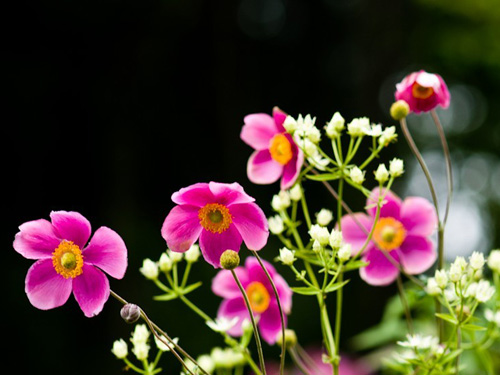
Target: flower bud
{"points": [[229, 260], [130, 313], [120, 349], [295, 193], [441, 278], [276, 225], [149, 269], [290, 338], [335, 239], [320, 234], [287, 256], [476, 260], [357, 175], [345, 252], [192, 254], [381, 174], [494, 260], [399, 110], [165, 263], [324, 217], [396, 167]]}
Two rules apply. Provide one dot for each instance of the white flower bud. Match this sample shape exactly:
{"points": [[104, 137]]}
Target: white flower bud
{"points": [[493, 317], [324, 217], [206, 363], [149, 269], [484, 291], [276, 225], [141, 351], [396, 167], [162, 346], [476, 260], [290, 124], [281, 201], [381, 174], [359, 127], [432, 287], [140, 334], [320, 234], [345, 252], [317, 246], [335, 126], [441, 278], [120, 349], [287, 256], [357, 175], [375, 130], [295, 193], [192, 254], [309, 148], [335, 239], [165, 263], [494, 260], [388, 135], [175, 256]]}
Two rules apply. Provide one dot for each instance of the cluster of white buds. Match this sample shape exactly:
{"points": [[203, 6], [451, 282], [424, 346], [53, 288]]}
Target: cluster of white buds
{"points": [[334, 127], [151, 269], [222, 324], [139, 339], [418, 350], [281, 201], [322, 237], [226, 358]]}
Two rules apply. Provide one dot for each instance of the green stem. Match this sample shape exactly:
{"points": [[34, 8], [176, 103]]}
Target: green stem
{"points": [[186, 275], [132, 366], [304, 208], [195, 308], [404, 302], [338, 320], [254, 324]]}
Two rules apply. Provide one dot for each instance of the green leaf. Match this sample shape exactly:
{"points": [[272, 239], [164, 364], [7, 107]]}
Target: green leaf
{"points": [[324, 177], [306, 291], [355, 265], [473, 327], [191, 287], [449, 318], [165, 297], [336, 286]]}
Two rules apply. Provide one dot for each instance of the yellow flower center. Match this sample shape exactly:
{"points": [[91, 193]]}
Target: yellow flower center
{"points": [[389, 233], [421, 92], [67, 260], [258, 296], [281, 149], [215, 217]]}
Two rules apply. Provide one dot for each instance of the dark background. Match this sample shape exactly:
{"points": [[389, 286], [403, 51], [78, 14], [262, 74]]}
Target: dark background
{"points": [[111, 106]]}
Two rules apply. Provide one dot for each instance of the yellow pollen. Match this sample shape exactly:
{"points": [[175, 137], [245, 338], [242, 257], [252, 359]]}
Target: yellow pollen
{"points": [[281, 149], [67, 260], [215, 217], [421, 92], [258, 296], [389, 233]]}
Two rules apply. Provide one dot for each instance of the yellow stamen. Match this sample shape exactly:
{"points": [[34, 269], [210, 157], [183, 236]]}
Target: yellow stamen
{"points": [[389, 233], [215, 217], [421, 92], [281, 149], [258, 296], [67, 260]]}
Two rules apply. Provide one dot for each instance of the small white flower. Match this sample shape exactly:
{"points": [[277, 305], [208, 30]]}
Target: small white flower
{"points": [[457, 269], [290, 124], [388, 136], [140, 334], [175, 256], [206, 363], [120, 349], [226, 358], [318, 161], [335, 126], [192, 254], [359, 127], [295, 193], [476, 260], [494, 260], [381, 174], [345, 252], [441, 278], [396, 167], [357, 175], [324, 217], [149, 269], [222, 324], [304, 123], [432, 287], [375, 131], [471, 290], [418, 341], [276, 225], [162, 346], [316, 247], [484, 291], [320, 234], [335, 239], [165, 263], [313, 134], [309, 147], [281, 201], [493, 317], [141, 350], [287, 256]]}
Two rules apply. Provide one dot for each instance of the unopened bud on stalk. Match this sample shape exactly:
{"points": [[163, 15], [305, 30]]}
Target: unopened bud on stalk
{"points": [[290, 338], [229, 260], [130, 313], [399, 110]]}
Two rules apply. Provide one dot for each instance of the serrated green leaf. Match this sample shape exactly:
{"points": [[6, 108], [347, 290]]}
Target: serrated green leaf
{"points": [[306, 291], [448, 318]]}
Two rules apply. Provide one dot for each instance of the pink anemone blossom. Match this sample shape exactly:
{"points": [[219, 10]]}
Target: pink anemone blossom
{"points": [[260, 294], [402, 233], [276, 153], [423, 91], [221, 215], [348, 364], [66, 263]]}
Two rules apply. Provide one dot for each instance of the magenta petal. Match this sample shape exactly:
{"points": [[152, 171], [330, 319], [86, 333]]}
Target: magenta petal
{"points": [[107, 251], [417, 254], [379, 271], [71, 226], [212, 245], [391, 206], [46, 289], [270, 323], [251, 222], [181, 228], [279, 118], [263, 169], [284, 292], [418, 216], [36, 239], [225, 286], [195, 195], [258, 130], [228, 194], [231, 308], [355, 229], [291, 171], [256, 273], [91, 290]]}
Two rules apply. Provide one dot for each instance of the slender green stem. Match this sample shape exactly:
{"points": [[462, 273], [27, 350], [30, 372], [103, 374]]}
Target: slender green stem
{"points": [[305, 210], [338, 320], [298, 362], [254, 324], [404, 302], [195, 308], [132, 366], [186, 274]]}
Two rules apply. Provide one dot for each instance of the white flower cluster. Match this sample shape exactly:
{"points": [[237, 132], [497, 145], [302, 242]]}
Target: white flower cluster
{"points": [[151, 269], [322, 237], [418, 348], [224, 359]]}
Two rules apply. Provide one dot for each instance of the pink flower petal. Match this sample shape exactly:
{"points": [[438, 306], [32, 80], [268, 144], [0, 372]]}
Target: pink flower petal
{"points": [[291, 171], [418, 216], [258, 130], [379, 271], [263, 169], [228, 194], [355, 229], [223, 284], [391, 206], [212, 245], [251, 222], [284, 292], [71, 226], [45, 288], [279, 118], [417, 254], [181, 228], [107, 251], [194, 195], [91, 290], [270, 323], [36, 239], [230, 308]]}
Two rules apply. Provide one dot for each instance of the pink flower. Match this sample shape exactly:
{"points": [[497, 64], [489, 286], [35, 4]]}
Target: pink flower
{"points": [[64, 264], [401, 232], [276, 153], [221, 215], [423, 91], [261, 296], [347, 366]]}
